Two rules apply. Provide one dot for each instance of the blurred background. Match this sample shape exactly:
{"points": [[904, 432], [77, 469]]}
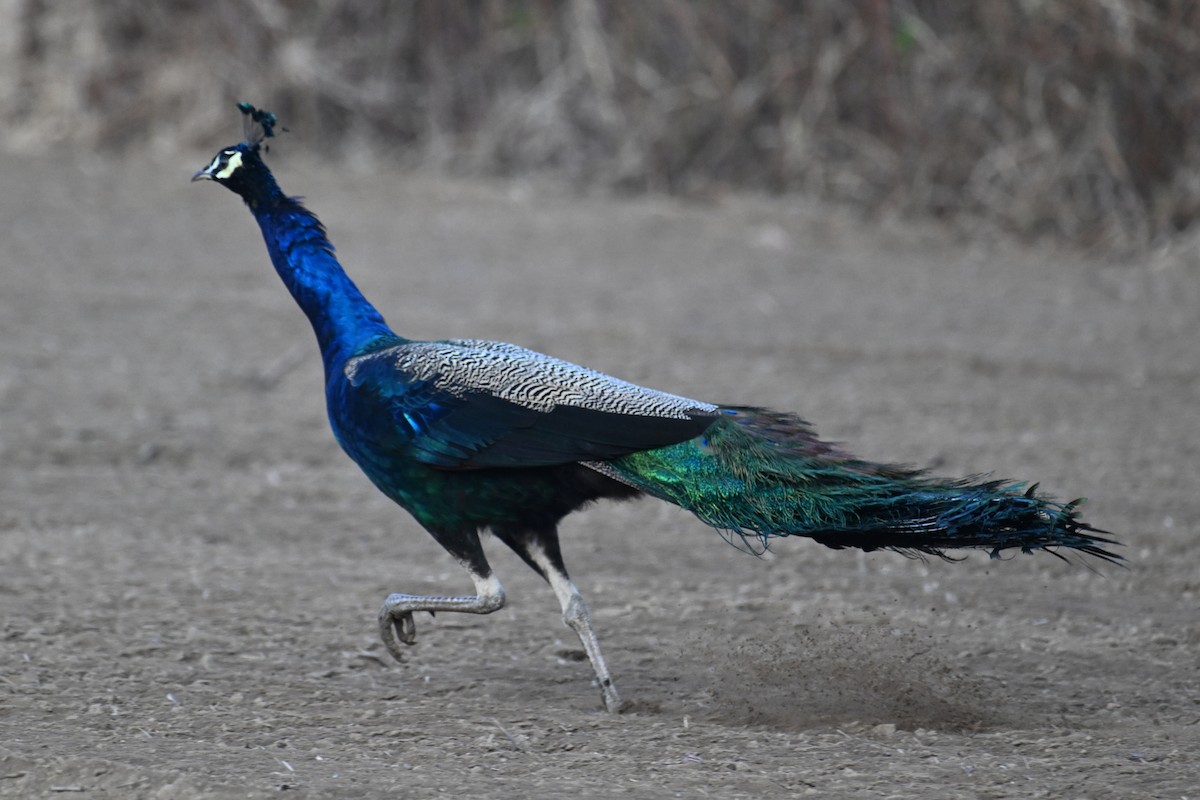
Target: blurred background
{"points": [[1069, 119]]}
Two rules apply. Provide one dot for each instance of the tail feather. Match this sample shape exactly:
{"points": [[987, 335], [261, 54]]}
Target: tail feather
{"points": [[762, 474]]}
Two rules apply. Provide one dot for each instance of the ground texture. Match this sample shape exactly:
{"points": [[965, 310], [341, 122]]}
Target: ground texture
{"points": [[190, 568]]}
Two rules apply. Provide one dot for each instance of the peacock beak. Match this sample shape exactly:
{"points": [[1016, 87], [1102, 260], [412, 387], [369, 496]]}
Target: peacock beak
{"points": [[202, 175]]}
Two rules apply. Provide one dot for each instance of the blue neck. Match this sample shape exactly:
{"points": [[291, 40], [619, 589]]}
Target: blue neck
{"points": [[344, 320]]}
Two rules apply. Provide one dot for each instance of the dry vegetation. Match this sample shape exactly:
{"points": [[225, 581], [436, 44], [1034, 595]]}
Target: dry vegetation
{"points": [[1069, 118]]}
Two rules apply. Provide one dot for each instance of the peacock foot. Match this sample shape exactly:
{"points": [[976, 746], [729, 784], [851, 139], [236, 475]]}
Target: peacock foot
{"points": [[396, 616]]}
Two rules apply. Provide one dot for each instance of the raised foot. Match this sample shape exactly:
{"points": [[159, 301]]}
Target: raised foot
{"points": [[396, 624]]}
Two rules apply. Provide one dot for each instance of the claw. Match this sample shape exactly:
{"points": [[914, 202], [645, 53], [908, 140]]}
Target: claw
{"points": [[408, 628], [394, 628]]}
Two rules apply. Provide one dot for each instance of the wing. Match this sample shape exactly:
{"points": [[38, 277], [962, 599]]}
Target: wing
{"points": [[468, 404]]}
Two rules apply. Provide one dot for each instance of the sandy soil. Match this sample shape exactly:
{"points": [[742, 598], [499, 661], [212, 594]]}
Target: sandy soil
{"points": [[190, 568]]}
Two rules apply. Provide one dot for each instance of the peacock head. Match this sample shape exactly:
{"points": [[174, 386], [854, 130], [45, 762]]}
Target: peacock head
{"points": [[240, 168]]}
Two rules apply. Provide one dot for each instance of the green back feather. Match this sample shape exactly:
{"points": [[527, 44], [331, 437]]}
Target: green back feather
{"points": [[763, 474]]}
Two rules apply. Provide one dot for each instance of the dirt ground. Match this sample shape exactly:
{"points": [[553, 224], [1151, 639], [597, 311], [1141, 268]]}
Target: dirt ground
{"points": [[190, 568]]}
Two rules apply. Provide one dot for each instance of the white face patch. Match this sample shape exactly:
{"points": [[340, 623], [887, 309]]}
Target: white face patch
{"points": [[235, 162]]}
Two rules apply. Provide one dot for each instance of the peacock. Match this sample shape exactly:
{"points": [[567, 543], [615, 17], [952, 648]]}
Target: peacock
{"points": [[474, 437]]}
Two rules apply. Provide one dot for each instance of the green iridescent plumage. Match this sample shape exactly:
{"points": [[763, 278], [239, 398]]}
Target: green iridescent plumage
{"points": [[761, 474]]}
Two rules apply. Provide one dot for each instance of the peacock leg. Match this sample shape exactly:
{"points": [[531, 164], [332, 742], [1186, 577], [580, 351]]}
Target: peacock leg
{"points": [[575, 615], [396, 616]]}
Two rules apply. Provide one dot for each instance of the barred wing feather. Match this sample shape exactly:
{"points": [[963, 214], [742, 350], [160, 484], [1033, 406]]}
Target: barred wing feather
{"points": [[470, 404]]}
